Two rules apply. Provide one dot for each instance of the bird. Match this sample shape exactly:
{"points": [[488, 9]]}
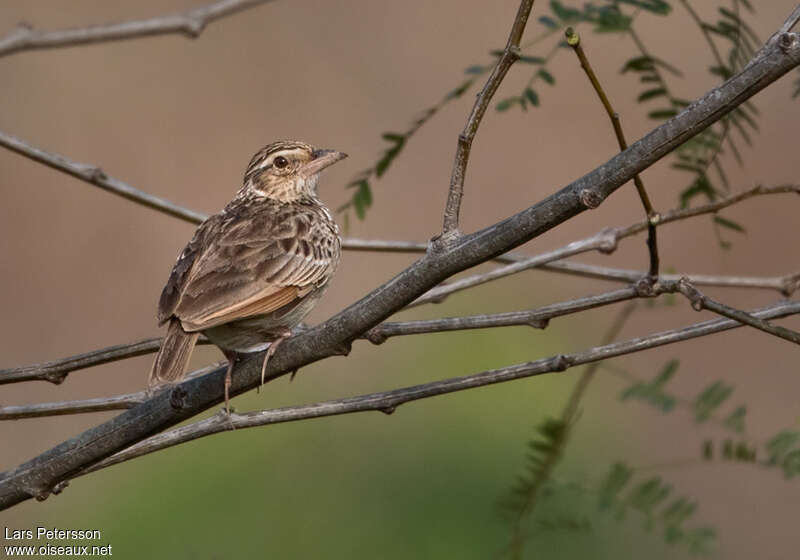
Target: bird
{"points": [[252, 272]]}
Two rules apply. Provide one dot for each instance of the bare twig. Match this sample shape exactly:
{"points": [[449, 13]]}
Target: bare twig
{"points": [[57, 370], [388, 401], [700, 301], [117, 402], [189, 23], [40, 476], [510, 56], [96, 176], [786, 285], [72, 407], [605, 241], [536, 318], [574, 41]]}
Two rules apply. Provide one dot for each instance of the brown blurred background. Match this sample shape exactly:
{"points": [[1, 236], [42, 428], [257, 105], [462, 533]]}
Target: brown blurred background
{"points": [[82, 269]]}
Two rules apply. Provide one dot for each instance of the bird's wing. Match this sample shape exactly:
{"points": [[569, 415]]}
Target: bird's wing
{"points": [[249, 265]]}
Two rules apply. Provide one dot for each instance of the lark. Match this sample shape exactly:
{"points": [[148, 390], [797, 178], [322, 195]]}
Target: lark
{"points": [[252, 272]]}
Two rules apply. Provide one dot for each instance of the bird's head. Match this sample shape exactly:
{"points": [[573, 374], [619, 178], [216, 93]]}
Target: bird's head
{"points": [[288, 170]]}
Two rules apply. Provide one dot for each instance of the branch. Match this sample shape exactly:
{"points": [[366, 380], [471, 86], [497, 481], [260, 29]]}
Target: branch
{"points": [[39, 476], [189, 23], [604, 241], [37, 410], [510, 56], [94, 175], [57, 371], [574, 41], [700, 301], [786, 285], [388, 401], [536, 318], [118, 402]]}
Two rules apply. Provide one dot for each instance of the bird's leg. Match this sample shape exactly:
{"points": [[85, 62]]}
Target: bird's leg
{"points": [[271, 350], [231, 356]]}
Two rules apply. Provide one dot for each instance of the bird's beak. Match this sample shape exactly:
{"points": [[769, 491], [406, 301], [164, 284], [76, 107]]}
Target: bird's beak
{"points": [[322, 159]]}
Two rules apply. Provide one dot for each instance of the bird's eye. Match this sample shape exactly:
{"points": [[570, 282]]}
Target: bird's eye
{"points": [[280, 162]]}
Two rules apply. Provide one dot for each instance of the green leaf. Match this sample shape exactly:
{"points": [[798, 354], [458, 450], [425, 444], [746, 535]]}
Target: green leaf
{"points": [[507, 103], [615, 481], [653, 391], [779, 446], [652, 93], [659, 7], [724, 222], [393, 137], [532, 96], [710, 399], [454, 94], [532, 59], [546, 76], [549, 22], [662, 114], [735, 420], [475, 69]]}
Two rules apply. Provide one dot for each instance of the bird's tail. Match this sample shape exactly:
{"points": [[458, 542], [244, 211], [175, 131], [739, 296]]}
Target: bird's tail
{"points": [[173, 356]]}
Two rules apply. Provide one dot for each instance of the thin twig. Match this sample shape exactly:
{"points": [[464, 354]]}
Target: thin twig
{"points": [[700, 301], [388, 401], [574, 41], [189, 23], [94, 175], [510, 56], [56, 371], [536, 318], [605, 241], [117, 402], [786, 285], [99, 404]]}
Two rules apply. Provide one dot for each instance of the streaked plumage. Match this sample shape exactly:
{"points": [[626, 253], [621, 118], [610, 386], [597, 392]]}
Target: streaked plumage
{"points": [[253, 271]]}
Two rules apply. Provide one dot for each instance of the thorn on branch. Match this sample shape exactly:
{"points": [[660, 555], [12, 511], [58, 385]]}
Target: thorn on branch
{"points": [[388, 410]]}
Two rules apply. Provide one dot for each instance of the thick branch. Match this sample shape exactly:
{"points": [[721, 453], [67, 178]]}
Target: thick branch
{"points": [[388, 401], [39, 476], [190, 23], [510, 56]]}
